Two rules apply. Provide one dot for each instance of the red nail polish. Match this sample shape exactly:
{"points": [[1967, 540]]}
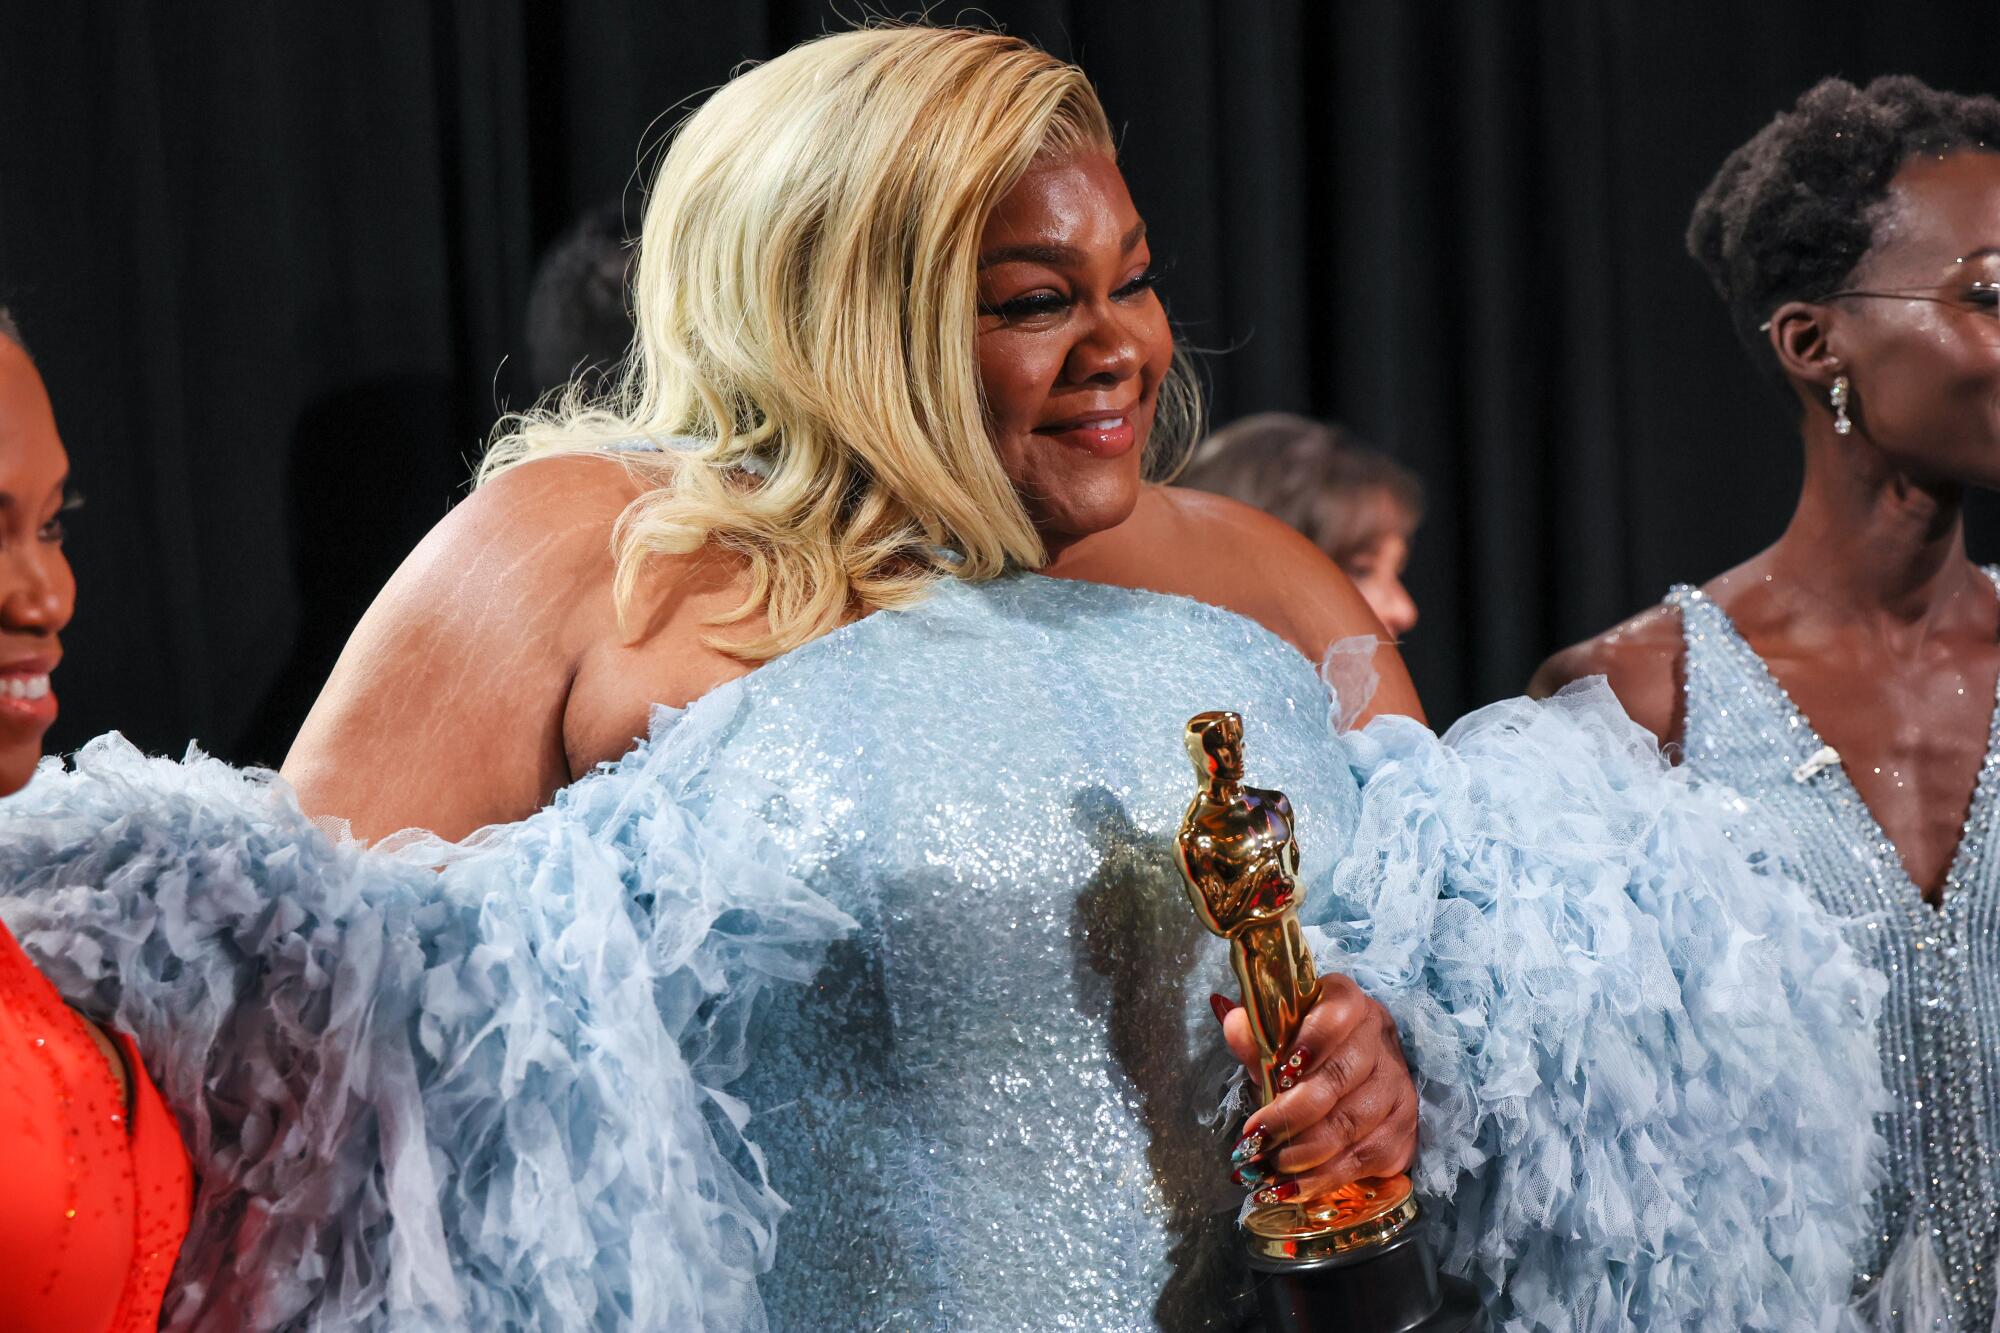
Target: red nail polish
{"points": [[1280, 1193], [1299, 1059], [1222, 1004]]}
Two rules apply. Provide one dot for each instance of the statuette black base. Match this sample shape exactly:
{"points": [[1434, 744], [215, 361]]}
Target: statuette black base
{"points": [[1389, 1288]]}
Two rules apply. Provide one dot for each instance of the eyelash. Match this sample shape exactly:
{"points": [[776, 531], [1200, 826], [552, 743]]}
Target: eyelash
{"points": [[54, 530], [1048, 303]]}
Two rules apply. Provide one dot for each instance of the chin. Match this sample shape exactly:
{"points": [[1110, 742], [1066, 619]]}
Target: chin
{"points": [[17, 764], [1097, 513]]}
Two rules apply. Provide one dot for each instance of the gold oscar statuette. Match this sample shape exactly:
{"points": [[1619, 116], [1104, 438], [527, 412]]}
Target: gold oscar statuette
{"points": [[1237, 852], [1348, 1260]]}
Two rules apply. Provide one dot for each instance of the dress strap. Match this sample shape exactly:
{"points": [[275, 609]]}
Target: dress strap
{"points": [[1724, 683]]}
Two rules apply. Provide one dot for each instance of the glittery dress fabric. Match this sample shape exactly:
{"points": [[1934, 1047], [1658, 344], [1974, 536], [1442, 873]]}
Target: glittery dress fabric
{"points": [[1927, 1261], [863, 993], [97, 1190]]}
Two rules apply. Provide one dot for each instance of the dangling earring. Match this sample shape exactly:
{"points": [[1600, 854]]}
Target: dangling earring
{"points": [[1838, 397]]}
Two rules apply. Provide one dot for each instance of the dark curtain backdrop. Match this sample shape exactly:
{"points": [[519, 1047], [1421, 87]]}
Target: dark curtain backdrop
{"points": [[273, 261]]}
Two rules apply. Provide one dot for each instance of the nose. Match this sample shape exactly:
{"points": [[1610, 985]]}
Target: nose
{"points": [[1394, 607], [1107, 353], [37, 591]]}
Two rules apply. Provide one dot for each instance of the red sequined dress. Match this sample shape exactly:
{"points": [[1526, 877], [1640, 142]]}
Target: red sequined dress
{"points": [[93, 1208]]}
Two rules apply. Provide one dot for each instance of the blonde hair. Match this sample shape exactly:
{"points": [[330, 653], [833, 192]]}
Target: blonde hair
{"points": [[805, 310]]}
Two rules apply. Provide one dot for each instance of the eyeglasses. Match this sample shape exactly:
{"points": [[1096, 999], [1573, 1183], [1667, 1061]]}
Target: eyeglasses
{"points": [[1982, 299]]}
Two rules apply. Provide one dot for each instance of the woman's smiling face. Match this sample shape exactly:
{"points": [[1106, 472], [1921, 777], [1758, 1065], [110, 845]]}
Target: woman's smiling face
{"points": [[1073, 344]]}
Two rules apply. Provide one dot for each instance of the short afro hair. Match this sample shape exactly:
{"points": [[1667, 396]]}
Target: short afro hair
{"points": [[1792, 212]]}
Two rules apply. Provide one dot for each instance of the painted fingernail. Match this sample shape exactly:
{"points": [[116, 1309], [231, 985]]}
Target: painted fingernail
{"points": [[1222, 1004], [1299, 1057], [1251, 1174], [1285, 1082], [1278, 1193], [1250, 1145]]}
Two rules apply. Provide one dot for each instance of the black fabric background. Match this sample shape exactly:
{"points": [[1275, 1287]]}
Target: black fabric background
{"points": [[272, 260]]}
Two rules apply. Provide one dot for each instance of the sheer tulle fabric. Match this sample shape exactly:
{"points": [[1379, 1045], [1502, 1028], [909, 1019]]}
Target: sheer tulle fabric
{"points": [[1642, 1053], [488, 1085], [482, 1097]]}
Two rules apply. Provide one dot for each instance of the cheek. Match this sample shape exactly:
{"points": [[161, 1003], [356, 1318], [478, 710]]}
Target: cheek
{"points": [[1940, 381], [1016, 374]]}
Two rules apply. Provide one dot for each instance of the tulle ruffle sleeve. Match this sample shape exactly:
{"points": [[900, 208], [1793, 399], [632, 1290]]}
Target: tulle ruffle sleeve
{"points": [[1646, 1062], [473, 1086]]}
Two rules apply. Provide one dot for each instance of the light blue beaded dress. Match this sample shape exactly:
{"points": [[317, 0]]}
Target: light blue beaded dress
{"points": [[1935, 1224], [863, 994]]}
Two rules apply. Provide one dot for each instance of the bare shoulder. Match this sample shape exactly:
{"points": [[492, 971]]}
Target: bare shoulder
{"points": [[1229, 554], [1259, 567], [1641, 660], [445, 708]]}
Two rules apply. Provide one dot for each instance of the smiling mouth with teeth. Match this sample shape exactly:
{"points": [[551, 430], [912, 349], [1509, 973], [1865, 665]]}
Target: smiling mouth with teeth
{"points": [[25, 687]]}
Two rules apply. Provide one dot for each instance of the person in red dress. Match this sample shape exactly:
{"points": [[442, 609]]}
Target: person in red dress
{"points": [[98, 1188]]}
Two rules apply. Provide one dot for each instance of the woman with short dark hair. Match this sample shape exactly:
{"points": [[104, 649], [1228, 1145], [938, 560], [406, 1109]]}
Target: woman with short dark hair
{"points": [[1843, 678]]}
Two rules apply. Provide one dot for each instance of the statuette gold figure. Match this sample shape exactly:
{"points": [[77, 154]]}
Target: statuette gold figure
{"points": [[1239, 857]]}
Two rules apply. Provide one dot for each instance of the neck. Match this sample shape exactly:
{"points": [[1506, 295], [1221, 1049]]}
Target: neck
{"points": [[1869, 539]]}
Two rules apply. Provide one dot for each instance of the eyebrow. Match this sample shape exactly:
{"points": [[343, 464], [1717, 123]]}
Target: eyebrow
{"points": [[1054, 255], [1980, 253], [7, 500]]}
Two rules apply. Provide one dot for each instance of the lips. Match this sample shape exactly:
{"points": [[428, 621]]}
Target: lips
{"points": [[1101, 434], [26, 698]]}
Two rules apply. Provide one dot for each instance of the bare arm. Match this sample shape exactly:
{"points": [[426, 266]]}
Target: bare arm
{"points": [[445, 710]]}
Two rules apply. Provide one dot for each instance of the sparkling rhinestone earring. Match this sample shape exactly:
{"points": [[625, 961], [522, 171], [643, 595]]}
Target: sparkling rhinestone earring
{"points": [[1838, 397]]}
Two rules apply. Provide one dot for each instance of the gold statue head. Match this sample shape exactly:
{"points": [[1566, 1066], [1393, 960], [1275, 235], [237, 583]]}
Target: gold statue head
{"points": [[1215, 744]]}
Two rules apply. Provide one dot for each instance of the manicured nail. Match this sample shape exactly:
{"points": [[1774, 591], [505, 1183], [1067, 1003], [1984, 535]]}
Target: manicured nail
{"points": [[1300, 1055], [1278, 1193], [1250, 1145], [1222, 1004], [1252, 1174], [1285, 1082]]}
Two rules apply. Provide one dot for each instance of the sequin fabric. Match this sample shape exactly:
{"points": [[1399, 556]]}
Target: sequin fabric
{"points": [[1941, 1019], [1021, 1142], [95, 1208]]}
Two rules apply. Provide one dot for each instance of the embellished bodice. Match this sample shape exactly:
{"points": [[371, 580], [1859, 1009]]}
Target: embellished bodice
{"points": [[997, 1102], [1941, 1019]]}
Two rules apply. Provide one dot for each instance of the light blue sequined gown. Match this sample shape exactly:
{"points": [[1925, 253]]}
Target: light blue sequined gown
{"points": [[1935, 1224], [863, 994]]}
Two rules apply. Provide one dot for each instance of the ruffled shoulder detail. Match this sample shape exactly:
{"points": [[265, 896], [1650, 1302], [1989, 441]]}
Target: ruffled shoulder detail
{"points": [[1646, 1061], [478, 1086]]}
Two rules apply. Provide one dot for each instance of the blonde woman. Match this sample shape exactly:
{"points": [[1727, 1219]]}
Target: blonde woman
{"points": [[792, 937]]}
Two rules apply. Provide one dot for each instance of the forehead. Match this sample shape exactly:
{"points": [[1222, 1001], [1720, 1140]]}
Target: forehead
{"points": [[1940, 209], [1070, 201], [32, 461]]}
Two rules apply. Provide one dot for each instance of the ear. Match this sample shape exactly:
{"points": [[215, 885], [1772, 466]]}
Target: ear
{"points": [[1801, 342]]}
